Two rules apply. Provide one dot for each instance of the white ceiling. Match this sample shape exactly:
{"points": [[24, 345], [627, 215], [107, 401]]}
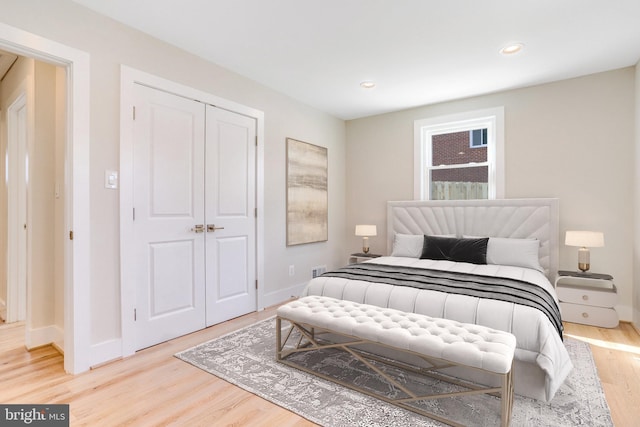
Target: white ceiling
{"points": [[417, 51]]}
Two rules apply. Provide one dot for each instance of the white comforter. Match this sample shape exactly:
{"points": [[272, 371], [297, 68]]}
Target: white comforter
{"points": [[538, 341]]}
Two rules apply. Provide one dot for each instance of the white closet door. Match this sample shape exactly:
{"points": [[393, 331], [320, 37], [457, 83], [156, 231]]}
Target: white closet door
{"points": [[169, 137], [230, 215]]}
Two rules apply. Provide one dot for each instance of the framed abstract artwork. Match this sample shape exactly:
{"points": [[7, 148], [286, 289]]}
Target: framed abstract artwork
{"points": [[307, 193]]}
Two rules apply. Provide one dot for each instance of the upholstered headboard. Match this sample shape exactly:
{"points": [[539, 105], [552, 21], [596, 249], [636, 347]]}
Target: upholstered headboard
{"points": [[515, 218]]}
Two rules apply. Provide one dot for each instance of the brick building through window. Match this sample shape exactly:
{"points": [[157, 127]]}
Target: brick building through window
{"points": [[456, 149]]}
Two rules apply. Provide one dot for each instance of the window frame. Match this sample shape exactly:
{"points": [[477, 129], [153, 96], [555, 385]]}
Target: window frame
{"points": [[424, 129], [483, 142]]}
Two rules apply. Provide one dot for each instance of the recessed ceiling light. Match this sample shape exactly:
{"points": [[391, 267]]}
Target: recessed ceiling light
{"points": [[367, 84], [511, 49]]}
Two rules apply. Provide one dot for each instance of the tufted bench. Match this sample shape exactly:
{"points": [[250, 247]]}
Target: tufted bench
{"points": [[442, 343]]}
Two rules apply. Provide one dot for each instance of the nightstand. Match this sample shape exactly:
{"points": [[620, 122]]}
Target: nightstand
{"points": [[360, 257], [587, 298]]}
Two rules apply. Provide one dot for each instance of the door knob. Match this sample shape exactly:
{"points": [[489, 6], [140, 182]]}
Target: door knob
{"points": [[212, 228], [199, 228]]}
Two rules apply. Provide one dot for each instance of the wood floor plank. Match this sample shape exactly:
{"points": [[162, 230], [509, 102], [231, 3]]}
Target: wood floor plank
{"points": [[154, 388], [616, 353]]}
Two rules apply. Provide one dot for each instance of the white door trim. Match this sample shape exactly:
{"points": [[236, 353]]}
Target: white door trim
{"points": [[77, 319], [128, 77], [17, 145]]}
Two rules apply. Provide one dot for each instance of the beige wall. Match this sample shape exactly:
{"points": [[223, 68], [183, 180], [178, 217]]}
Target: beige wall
{"points": [[41, 215], [59, 195], [110, 45], [636, 213], [572, 139]]}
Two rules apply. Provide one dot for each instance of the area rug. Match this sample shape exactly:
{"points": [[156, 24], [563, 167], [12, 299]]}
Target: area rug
{"points": [[246, 358]]}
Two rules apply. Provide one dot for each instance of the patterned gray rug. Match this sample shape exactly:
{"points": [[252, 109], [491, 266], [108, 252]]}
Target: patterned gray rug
{"points": [[246, 358]]}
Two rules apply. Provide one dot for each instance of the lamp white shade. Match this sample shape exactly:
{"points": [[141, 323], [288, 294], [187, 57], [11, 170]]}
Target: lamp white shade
{"points": [[585, 239], [366, 230]]}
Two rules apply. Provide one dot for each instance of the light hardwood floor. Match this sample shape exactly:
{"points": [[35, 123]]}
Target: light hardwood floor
{"points": [[617, 355], [154, 388]]}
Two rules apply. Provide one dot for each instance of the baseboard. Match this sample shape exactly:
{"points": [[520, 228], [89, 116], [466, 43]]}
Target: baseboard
{"points": [[279, 296], [105, 352], [635, 327], [625, 312], [3, 310], [59, 346], [46, 335]]}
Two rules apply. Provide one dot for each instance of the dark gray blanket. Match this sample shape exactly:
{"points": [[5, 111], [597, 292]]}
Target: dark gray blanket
{"points": [[489, 287]]}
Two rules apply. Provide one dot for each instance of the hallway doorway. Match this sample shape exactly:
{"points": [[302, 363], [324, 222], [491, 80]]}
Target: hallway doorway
{"points": [[33, 111], [74, 260]]}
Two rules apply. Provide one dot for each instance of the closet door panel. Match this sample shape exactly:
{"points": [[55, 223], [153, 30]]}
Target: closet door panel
{"points": [[169, 142], [230, 215]]}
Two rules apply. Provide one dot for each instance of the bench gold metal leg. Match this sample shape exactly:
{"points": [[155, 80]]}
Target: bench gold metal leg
{"points": [[506, 398], [278, 338], [505, 391]]}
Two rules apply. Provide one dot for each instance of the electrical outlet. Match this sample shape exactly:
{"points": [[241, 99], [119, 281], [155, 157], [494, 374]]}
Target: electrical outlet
{"points": [[292, 270]]}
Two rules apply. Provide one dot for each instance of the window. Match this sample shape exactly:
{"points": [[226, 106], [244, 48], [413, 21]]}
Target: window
{"points": [[478, 138], [460, 156]]}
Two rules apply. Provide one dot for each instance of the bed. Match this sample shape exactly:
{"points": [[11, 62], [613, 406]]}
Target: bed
{"points": [[426, 272]]}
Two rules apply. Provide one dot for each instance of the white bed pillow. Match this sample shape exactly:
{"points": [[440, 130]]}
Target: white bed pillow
{"points": [[408, 245], [515, 252]]}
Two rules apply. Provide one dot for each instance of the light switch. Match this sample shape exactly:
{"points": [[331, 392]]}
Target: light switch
{"points": [[111, 179]]}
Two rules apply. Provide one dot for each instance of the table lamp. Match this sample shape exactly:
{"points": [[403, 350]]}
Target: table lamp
{"points": [[365, 231], [584, 240]]}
